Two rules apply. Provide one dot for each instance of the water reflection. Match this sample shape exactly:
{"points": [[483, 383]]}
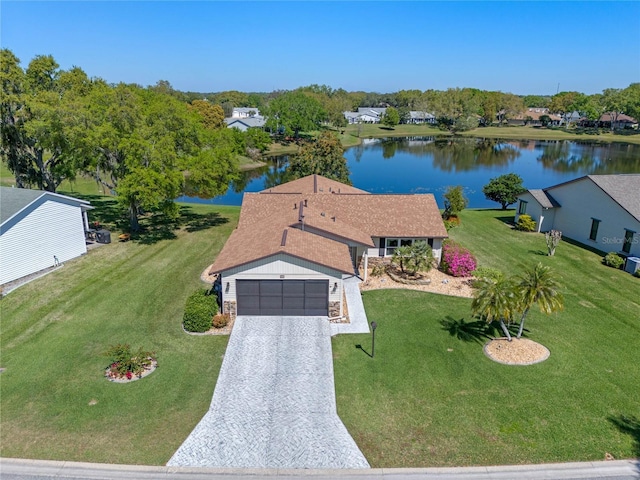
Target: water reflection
{"points": [[588, 158], [430, 164]]}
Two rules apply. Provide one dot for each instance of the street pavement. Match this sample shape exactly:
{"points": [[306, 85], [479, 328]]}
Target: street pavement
{"points": [[17, 469]]}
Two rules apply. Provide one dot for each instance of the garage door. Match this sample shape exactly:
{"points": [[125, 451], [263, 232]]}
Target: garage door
{"points": [[283, 297]]}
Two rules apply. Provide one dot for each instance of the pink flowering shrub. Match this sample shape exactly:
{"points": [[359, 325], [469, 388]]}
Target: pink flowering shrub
{"points": [[457, 260]]}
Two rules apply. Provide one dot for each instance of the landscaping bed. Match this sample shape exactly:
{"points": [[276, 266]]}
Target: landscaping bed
{"points": [[439, 283]]}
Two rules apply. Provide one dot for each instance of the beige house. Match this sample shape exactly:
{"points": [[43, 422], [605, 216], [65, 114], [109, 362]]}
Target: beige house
{"points": [[295, 243], [601, 211]]}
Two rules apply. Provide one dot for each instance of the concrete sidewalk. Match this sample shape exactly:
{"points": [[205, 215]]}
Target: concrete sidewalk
{"points": [[358, 322]]}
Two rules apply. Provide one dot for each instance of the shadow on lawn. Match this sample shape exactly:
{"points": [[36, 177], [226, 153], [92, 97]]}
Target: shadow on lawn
{"points": [[477, 331], [154, 227], [506, 220], [631, 426], [157, 227]]}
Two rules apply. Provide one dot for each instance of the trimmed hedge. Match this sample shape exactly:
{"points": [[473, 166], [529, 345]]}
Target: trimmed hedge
{"points": [[199, 310], [613, 260], [526, 223]]}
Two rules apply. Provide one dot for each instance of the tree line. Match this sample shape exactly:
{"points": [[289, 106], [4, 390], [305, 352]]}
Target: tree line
{"points": [[149, 145], [456, 108], [143, 144]]}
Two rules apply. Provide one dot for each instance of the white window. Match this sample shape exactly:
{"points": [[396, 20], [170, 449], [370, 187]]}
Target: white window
{"points": [[393, 243]]}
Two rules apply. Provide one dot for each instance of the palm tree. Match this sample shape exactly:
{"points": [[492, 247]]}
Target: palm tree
{"points": [[537, 285], [420, 257], [401, 256], [495, 300]]}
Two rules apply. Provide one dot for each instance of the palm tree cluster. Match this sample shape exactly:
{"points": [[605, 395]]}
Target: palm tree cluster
{"points": [[504, 298]]}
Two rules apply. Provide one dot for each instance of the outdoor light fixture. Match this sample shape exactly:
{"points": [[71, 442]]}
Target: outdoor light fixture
{"points": [[226, 290], [374, 325], [335, 286]]}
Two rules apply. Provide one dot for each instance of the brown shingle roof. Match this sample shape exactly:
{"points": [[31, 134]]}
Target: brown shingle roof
{"points": [[248, 245], [314, 184], [354, 217], [382, 215], [317, 219], [608, 117]]}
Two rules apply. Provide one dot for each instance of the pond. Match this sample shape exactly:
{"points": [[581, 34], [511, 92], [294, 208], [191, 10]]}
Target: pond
{"points": [[431, 164]]}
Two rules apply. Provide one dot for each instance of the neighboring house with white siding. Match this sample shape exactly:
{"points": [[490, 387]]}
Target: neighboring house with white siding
{"points": [[601, 211], [38, 230], [295, 243], [245, 112]]}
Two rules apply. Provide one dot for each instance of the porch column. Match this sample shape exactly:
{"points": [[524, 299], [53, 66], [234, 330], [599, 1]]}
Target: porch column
{"points": [[366, 265]]}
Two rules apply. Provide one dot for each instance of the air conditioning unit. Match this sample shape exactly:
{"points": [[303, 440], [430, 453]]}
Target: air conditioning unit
{"points": [[632, 265], [103, 236]]}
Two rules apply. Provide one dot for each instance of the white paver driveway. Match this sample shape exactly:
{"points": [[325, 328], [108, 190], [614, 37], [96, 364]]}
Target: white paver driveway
{"points": [[274, 403]]}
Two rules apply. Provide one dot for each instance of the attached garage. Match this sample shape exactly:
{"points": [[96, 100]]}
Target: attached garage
{"points": [[283, 297]]}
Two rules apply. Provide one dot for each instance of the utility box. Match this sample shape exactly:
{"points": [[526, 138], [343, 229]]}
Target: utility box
{"points": [[632, 265], [103, 236]]}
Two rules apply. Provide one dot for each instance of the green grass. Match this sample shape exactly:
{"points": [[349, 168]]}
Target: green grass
{"points": [[56, 403], [415, 404], [532, 133], [429, 398]]}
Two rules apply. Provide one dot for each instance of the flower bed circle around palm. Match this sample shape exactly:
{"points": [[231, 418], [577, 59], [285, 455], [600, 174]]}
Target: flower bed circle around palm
{"points": [[113, 375]]}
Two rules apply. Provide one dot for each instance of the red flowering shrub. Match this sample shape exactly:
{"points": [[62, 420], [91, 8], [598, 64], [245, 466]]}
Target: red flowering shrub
{"points": [[457, 260], [126, 363]]}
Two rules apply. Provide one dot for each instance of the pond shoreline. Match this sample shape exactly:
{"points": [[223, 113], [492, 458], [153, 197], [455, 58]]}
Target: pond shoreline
{"points": [[351, 137], [429, 164]]}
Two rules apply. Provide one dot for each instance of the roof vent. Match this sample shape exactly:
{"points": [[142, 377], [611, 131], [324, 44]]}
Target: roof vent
{"points": [[283, 242], [295, 206], [305, 202], [322, 214], [333, 218]]}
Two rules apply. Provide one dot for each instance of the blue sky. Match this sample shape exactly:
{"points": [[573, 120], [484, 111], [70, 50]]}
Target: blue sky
{"points": [[211, 46]]}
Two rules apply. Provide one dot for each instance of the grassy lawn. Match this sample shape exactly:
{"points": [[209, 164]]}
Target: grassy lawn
{"points": [[532, 133], [429, 398], [56, 404]]}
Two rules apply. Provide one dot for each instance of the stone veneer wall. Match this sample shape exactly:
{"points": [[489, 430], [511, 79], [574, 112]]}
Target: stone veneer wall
{"points": [[230, 308], [379, 261], [334, 309]]}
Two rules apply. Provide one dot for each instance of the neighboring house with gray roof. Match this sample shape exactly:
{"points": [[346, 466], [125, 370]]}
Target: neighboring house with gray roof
{"points": [[297, 242], [39, 229], [245, 123], [365, 115], [601, 211], [418, 117]]}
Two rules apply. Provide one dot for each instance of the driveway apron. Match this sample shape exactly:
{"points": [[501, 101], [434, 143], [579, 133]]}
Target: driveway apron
{"points": [[274, 403]]}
